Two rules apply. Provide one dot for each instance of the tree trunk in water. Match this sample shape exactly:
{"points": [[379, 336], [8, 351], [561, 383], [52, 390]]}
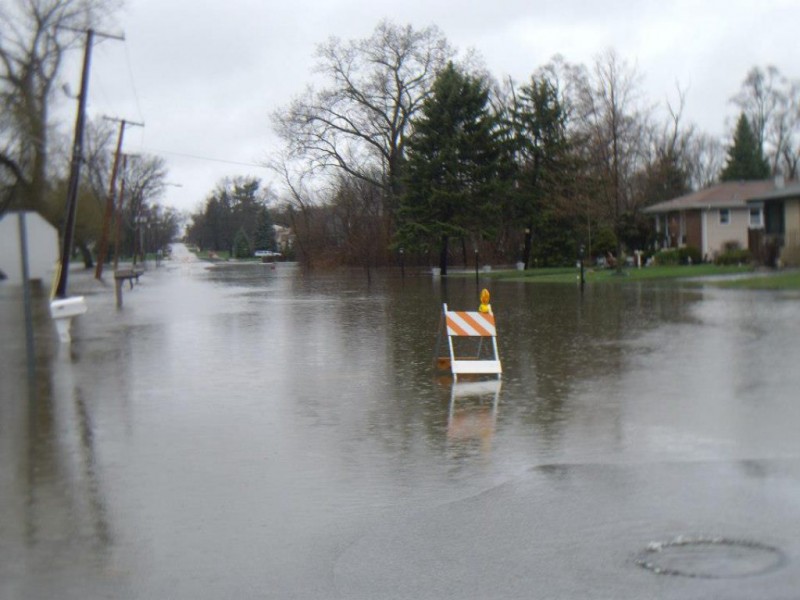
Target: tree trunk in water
{"points": [[305, 257], [87, 255], [526, 252], [443, 256]]}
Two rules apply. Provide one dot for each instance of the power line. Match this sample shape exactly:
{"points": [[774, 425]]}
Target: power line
{"points": [[95, 34], [206, 158], [133, 81]]}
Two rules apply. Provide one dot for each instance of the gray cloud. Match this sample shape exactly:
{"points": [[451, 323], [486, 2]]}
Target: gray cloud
{"points": [[205, 77]]}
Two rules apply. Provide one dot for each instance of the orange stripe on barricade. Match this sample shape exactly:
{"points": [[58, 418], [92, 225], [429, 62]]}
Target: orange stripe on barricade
{"points": [[470, 324], [453, 328], [483, 322]]}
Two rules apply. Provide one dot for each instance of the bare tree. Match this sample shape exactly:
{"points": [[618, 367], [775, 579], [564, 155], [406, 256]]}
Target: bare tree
{"points": [[299, 205], [682, 158], [145, 181], [355, 206], [771, 103], [667, 171], [759, 99], [359, 122], [614, 126], [98, 155], [36, 35], [706, 159], [784, 131]]}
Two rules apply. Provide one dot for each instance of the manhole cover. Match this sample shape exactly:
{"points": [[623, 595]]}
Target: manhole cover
{"points": [[711, 558]]}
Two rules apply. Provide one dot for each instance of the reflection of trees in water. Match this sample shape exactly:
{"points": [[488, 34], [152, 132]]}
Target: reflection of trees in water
{"points": [[398, 318], [554, 341], [64, 505], [366, 351], [417, 418]]}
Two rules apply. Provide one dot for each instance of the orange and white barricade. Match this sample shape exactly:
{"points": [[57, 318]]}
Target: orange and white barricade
{"points": [[472, 343]]}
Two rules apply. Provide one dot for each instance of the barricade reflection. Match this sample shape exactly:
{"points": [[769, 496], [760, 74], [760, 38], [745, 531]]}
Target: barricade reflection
{"points": [[473, 412]]}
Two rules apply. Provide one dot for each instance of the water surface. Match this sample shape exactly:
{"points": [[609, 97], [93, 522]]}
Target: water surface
{"points": [[238, 430]]}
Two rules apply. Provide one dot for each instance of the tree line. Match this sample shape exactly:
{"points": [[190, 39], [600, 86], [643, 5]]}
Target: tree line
{"points": [[408, 148], [234, 218], [405, 149]]}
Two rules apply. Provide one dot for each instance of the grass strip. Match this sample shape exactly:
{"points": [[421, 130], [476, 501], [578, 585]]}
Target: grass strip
{"points": [[667, 273]]}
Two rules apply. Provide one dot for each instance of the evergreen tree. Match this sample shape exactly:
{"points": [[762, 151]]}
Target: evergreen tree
{"points": [[264, 235], [452, 162], [745, 159], [235, 204], [542, 156], [241, 245]]}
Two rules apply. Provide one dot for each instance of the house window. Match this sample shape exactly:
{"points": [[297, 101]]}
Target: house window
{"points": [[755, 217], [724, 216]]}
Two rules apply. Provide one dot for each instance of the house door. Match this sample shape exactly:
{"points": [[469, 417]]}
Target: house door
{"points": [[773, 218]]}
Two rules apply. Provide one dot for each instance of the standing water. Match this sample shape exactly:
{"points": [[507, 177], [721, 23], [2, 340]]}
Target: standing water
{"points": [[255, 431]]}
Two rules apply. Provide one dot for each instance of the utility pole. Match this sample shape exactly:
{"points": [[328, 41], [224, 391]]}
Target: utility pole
{"points": [[119, 211], [75, 165], [103, 250]]}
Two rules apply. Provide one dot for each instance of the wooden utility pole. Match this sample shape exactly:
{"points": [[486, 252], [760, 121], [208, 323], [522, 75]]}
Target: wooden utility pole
{"points": [[103, 249], [119, 211], [75, 166], [74, 171]]}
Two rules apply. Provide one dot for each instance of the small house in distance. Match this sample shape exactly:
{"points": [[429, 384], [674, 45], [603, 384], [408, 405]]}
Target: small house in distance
{"points": [[780, 244], [713, 218]]}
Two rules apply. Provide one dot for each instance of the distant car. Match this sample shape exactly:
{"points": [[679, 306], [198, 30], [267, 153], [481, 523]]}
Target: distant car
{"points": [[267, 253]]}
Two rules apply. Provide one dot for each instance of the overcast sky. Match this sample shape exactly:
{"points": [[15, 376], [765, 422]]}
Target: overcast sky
{"points": [[205, 77]]}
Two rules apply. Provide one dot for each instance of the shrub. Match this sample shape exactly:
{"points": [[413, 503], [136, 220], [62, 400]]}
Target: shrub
{"points": [[667, 257], [604, 242], [734, 256], [679, 256], [689, 255], [731, 245]]}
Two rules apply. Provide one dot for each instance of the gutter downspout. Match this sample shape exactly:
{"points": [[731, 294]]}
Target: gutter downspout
{"points": [[704, 231]]}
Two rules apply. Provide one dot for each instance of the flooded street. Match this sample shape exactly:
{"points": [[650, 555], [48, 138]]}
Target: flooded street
{"points": [[244, 431]]}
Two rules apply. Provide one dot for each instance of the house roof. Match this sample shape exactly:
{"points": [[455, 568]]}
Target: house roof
{"points": [[731, 194], [790, 191]]}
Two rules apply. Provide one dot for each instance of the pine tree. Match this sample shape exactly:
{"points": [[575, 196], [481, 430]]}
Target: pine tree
{"points": [[538, 121], [264, 235], [241, 245], [452, 163], [745, 159]]}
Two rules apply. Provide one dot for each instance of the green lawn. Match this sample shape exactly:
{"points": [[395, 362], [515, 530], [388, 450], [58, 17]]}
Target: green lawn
{"points": [[705, 274], [776, 281], [571, 275]]}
